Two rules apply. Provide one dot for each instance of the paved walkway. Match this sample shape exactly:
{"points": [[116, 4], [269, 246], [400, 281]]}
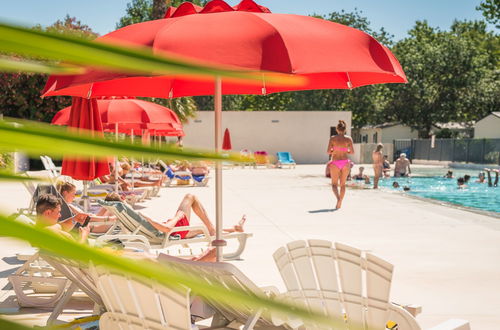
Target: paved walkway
{"points": [[446, 260]]}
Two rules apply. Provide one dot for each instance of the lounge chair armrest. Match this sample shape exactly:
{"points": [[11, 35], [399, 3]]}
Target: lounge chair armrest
{"points": [[270, 291], [413, 309], [453, 324], [101, 240]]}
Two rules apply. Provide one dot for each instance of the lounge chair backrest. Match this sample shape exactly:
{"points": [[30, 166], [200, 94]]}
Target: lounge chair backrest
{"points": [[44, 188], [76, 273], [225, 274], [152, 305], [337, 279], [132, 221]]}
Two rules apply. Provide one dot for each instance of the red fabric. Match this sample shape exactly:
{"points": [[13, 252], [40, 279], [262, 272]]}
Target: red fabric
{"points": [[226, 142], [182, 222], [84, 116], [131, 114], [327, 54]]}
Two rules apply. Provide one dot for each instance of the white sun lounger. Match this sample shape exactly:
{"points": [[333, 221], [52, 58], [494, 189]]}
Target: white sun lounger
{"points": [[343, 282], [133, 304], [226, 315]]}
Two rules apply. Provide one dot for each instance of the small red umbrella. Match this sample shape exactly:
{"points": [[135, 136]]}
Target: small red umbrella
{"points": [[84, 116], [226, 142], [126, 114]]}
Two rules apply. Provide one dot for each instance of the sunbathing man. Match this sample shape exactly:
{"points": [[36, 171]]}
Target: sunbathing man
{"points": [[183, 215], [48, 211]]}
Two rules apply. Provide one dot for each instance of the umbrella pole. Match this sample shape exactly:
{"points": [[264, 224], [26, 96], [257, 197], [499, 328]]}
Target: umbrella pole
{"points": [[132, 167], [116, 160], [85, 196], [219, 242]]}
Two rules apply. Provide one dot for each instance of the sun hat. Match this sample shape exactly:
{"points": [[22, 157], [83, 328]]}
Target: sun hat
{"points": [[402, 155]]}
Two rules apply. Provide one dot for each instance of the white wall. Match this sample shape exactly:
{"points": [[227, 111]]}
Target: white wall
{"points": [[487, 128], [303, 133], [389, 134]]}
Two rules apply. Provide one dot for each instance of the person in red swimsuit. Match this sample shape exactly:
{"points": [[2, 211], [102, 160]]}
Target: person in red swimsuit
{"points": [[183, 216], [339, 147]]}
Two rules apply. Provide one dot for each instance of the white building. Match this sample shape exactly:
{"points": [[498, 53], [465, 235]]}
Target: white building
{"points": [[488, 127], [305, 134], [383, 133]]}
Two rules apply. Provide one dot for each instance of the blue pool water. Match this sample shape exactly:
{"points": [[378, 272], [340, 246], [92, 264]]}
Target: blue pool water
{"points": [[476, 195]]}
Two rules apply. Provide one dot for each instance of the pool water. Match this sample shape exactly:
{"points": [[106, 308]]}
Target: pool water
{"points": [[475, 195]]}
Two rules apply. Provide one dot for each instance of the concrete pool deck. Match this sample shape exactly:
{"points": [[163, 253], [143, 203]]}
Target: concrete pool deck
{"points": [[447, 260]]}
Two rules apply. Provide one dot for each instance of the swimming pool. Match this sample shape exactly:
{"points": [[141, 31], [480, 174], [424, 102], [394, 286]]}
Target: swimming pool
{"points": [[476, 195]]}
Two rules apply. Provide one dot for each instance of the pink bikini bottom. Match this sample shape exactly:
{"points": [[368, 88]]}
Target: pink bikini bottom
{"points": [[340, 163]]}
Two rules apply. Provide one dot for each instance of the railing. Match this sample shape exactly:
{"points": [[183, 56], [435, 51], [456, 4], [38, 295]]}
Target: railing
{"points": [[481, 151]]}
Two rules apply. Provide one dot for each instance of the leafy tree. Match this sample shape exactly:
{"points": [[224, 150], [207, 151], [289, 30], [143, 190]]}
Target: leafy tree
{"points": [[20, 95], [146, 10], [491, 11], [451, 76]]}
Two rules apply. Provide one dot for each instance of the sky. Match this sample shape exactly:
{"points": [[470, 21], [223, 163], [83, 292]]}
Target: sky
{"points": [[396, 16]]}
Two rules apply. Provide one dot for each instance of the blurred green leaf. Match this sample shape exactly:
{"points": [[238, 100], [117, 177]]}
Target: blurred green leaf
{"points": [[136, 60], [7, 176], [9, 325], [8, 65], [38, 138]]}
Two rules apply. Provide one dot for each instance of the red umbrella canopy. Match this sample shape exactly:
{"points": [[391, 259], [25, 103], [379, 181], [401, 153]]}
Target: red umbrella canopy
{"points": [[84, 116], [226, 142], [246, 36], [130, 113]]}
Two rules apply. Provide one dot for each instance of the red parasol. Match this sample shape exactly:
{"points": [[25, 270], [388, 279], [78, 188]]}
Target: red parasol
{"points": [[226, 142], [126, 114], [84, 116]]}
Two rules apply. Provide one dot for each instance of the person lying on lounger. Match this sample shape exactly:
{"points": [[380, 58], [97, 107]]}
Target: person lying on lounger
{"points": [[183, 215], [48, 212]]}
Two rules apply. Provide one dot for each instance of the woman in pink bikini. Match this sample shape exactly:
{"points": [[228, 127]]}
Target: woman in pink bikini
{"points": [[338, 148]]}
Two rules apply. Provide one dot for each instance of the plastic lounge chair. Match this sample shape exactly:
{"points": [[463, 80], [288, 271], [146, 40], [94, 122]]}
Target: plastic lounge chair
{"points": [[249, 155], [229, 276], [131, 222], [285, 158], [200, 180], [309, 270], [175, 178], [80, 278], [261, 159], [136, 304]]}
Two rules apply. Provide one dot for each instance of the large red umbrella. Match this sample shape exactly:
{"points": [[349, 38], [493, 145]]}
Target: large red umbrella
{"points": [[248, 37], [126, 114]]}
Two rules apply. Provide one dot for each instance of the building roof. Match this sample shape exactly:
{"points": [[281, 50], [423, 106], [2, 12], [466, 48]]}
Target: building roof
{"points": [[496, 113], [384, 125]]}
